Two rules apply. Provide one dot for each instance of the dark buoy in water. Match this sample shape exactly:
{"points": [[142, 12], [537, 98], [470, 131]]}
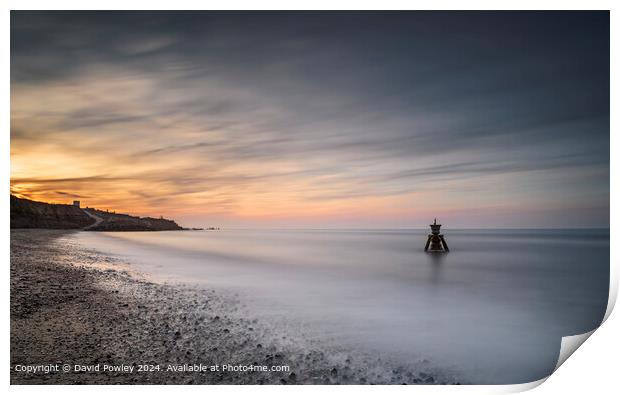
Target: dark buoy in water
{"points": [[435, 241]]}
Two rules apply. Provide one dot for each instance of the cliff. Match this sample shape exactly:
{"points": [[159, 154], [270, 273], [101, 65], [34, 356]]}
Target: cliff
{"points": [[30, 214], [126, 223]]}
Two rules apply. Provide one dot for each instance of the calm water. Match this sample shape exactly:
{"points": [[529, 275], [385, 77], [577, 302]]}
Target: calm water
{"points": [[494, 309]]}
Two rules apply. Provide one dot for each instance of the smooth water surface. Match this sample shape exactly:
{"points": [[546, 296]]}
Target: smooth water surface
{"points": [[494, 309]]}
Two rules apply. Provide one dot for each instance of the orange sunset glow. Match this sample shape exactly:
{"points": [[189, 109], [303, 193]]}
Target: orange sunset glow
{"points": [[230, 128]]}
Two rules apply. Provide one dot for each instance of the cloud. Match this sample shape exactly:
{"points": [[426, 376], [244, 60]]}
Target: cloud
{"points": [[242, 112]]}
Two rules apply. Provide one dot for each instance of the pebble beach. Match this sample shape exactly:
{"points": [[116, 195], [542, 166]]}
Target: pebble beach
{"points": [[81, 317]]}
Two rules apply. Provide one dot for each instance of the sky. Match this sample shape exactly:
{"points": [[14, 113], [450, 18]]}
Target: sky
{"points": [[316, 119]]}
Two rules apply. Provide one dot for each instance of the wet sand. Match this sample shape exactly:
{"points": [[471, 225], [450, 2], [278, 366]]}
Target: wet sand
{"points": [[74, 306]]}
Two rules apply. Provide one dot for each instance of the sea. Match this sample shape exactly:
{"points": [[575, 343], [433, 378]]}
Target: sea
{"points": [[494, 309]]}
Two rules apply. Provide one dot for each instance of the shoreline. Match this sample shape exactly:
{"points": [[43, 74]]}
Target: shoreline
{"points": [[71, 305]]}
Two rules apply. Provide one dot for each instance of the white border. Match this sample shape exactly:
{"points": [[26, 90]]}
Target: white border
{"points": [[593, 369]]}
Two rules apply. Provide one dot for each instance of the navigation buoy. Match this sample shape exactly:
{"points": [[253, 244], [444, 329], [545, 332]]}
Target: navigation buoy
{"points": [[436, 241]]}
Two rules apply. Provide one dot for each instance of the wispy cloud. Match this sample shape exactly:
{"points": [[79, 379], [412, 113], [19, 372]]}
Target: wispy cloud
{"points": [[235, 115]]}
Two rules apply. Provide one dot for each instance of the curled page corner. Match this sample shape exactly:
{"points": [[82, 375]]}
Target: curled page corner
{"points": [[569, 345]]}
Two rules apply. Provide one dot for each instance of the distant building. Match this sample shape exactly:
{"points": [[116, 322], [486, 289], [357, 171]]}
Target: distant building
{"points": [[76, 203]]}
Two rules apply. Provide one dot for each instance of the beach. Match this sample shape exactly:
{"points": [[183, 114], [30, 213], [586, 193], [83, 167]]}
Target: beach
{"points": [[76, 307], [300, 307]]}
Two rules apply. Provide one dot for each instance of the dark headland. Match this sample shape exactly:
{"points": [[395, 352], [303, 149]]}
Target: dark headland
{"points": [[27, 213]]}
